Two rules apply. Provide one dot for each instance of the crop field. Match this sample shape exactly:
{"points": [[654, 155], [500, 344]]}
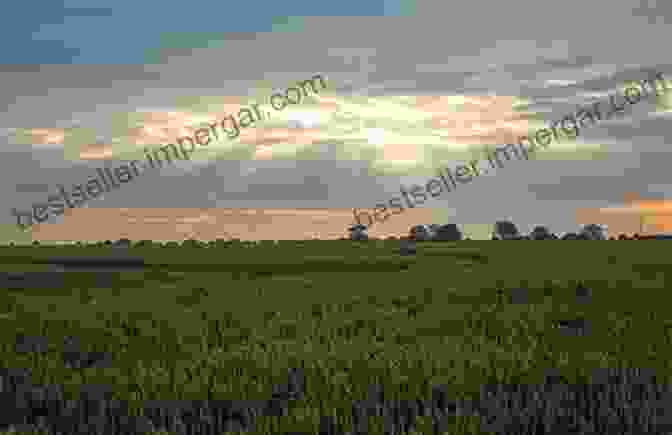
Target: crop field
{"points": [[337, 337]]}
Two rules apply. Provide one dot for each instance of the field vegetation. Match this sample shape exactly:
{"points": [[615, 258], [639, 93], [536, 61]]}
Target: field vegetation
{"points": [[328, 336]]}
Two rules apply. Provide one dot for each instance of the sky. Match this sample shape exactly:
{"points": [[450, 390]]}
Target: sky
{"points": [[412, 87]]}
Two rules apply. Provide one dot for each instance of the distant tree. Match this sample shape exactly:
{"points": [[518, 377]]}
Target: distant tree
{"points": [[506, 230], [359, 232], [594, 232], [36, 243], [422, 232], [540, 233], [448, 232]]}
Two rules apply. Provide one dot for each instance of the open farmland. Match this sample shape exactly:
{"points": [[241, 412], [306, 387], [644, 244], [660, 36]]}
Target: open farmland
{"points": [[336, 337]]}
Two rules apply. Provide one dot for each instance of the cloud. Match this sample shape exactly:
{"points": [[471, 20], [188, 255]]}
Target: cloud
{"points": [[406, 94], [42, 136], [32, 188], [389, 126]]}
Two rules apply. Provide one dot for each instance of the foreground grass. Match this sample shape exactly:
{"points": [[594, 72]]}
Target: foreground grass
{"points": [[229, 323]]}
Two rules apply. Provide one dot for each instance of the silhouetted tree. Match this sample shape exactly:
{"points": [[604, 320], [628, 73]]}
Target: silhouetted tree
{"points": [[448, 232], [422, 232], [358, 232], [506, 230], [433, 229], [594, 232], [540, 233]]}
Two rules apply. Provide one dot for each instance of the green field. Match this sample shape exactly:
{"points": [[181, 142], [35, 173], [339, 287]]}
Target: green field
{"points": [[229, 322]]}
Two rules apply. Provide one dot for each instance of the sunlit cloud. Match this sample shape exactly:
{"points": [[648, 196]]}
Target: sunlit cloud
{"points": [[639, 215], [96, 151], [42, 136], [399, 132]]}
